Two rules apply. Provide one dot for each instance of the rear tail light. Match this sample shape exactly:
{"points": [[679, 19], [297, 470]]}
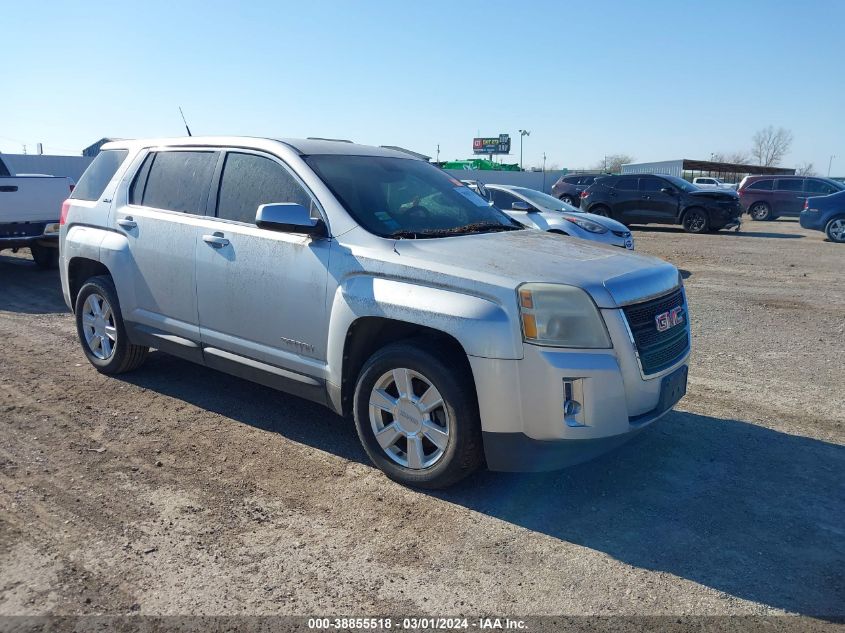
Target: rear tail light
{"points": [[584, 194], [65, 209], [806, 203]]}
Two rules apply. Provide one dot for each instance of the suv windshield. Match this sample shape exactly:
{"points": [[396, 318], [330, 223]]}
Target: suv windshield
{"points": [[680, 183], [543, 200], [400, 197]]}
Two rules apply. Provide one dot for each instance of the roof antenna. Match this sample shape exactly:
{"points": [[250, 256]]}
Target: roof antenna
{"points": [[184, 121]]}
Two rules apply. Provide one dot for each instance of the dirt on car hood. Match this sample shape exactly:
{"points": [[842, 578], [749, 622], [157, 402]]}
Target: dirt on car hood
{"points": [[613, 276]]}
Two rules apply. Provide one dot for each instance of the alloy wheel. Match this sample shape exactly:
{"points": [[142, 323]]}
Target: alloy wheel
{"points": [[409, 418], [836, 230], [98, 326]]}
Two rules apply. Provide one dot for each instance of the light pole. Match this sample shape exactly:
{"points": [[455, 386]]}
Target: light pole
{"points": [[544, 172], [829, 163], [522, 134]]}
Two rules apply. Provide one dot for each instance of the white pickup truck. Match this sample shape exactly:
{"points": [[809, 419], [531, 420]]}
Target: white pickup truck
{"points": [[712, 183], [30, 205]]}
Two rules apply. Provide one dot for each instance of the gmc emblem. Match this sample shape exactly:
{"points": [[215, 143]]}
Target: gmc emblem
{"points": [[671, 318]]}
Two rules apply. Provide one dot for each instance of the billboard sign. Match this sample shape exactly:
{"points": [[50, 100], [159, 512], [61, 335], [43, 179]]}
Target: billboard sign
{"points": [[492, 145]]}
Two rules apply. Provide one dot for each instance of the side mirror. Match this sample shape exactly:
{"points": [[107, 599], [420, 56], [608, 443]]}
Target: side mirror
{"points": [[521, 206], [289, 217], [668, 191]]}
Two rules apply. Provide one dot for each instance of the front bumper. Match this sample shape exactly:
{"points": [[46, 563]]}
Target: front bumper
{"points": [[524, 425]]}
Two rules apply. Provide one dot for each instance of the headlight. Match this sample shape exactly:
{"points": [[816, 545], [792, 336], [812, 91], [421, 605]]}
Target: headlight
{"points": [[587, 225], [560, 316]]}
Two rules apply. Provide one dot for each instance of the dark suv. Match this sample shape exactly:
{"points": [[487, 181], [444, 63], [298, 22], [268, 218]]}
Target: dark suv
{"points": [[568, 188], [769, 197], [652, 198]]}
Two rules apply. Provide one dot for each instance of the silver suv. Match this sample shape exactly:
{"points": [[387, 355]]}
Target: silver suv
{"points": [[374, 283]]}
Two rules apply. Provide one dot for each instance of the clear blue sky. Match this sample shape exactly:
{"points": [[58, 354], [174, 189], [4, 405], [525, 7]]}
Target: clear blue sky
{"points": [[654, 79]]}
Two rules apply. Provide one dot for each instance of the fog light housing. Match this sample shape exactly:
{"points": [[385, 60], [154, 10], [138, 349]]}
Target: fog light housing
{"points": [[573, 396]]}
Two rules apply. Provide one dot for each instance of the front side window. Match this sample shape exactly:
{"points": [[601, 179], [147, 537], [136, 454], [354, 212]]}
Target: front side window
{"points": [[400, 197], [502, 199], [820, 187], [651, 184], [249, 180], [98, 175], [176, 181]]}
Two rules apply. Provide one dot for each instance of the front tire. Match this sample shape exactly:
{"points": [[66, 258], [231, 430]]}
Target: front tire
{"points": [[45, 257], [601, 210], [417, 416], [99, 325], [835, 230], [695, 221], [761, 211]]}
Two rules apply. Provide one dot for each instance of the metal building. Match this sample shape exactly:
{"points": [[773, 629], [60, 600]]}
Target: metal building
{"points": [[689, 169]]}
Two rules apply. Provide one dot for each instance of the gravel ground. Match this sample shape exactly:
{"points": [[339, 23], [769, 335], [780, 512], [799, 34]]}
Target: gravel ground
{"points": [[178, 490]]}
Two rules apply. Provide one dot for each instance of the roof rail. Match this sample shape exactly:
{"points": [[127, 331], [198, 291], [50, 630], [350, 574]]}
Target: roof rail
{"points": [[336, 140]]}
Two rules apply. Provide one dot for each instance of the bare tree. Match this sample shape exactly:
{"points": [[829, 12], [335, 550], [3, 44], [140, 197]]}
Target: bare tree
{"points": [[770, 145], [734, 158], [613, 163], [805, 169]]}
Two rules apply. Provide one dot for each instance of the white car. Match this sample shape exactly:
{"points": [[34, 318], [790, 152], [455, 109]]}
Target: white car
{"points": [[705, 182], [540, 211]]}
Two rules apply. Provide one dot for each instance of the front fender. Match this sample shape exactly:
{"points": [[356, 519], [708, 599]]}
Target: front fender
{"points": [[480, 325]]}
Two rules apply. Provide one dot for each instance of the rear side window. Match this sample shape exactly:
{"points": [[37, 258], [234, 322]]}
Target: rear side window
{"points": [[761, 185], [248, 181], [796, 184], [98, 175], [175, 181], [627, 184]]}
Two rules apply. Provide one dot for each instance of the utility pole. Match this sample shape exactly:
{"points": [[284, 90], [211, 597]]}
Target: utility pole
{"points": [[522, 134], [544, 172], [829, 163], [438, 152]]}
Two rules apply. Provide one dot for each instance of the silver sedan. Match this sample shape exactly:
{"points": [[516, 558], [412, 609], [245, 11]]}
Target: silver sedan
{"points": [[538, 210]]}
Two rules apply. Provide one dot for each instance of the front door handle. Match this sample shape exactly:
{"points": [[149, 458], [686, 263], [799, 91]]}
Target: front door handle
{"points": [[216, 240], [127, 222]]}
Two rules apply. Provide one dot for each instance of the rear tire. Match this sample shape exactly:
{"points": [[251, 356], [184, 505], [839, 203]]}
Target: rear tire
{"points": [[99, 325], [695, 221], [424, 440], [45, 257], [835, 230], [567, 199], [761, 211]]}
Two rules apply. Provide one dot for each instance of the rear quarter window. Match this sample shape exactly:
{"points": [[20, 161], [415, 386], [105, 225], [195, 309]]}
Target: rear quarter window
{"points": [[98, 175], [761, 185]]}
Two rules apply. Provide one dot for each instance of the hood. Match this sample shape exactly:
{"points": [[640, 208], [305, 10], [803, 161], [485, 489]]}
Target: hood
{"points": [[715, 194], [613, 276]]}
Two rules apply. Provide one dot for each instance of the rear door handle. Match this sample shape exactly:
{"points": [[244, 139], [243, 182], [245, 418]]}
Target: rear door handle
{"points": [[127, 222], [216, 240], [9, 188]]}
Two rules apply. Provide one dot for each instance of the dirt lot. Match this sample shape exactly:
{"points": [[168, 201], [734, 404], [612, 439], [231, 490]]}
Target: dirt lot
{"points": [[177, 490]]}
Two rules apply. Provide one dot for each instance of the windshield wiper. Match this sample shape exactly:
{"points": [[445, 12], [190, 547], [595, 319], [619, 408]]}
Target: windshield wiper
{"points": [[476, 227]]}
